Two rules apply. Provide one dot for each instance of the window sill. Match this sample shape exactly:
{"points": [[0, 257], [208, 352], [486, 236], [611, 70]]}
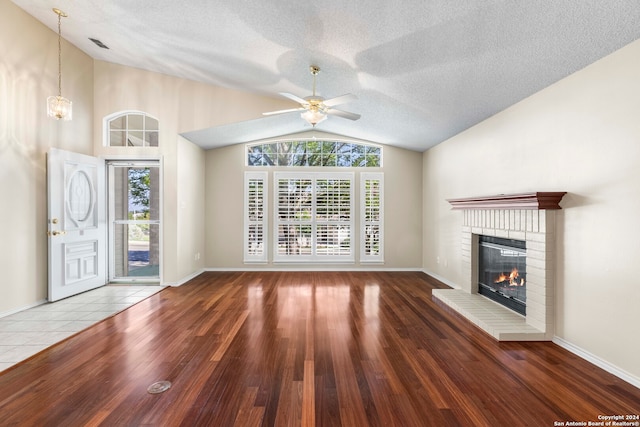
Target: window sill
{"points": [[314, 261], [372, 262]]}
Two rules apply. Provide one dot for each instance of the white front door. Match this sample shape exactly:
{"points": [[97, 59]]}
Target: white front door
{"points": [[76, 223]]}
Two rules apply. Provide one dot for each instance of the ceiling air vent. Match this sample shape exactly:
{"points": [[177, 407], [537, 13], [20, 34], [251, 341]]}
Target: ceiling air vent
{"points": [[99, 43]]}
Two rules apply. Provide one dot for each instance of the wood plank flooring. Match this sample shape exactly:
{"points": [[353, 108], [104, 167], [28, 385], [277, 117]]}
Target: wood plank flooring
{"points": [[304, 349]]}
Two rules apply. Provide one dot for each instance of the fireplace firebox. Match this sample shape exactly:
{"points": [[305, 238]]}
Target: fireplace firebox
{"points": [[502, 271]]}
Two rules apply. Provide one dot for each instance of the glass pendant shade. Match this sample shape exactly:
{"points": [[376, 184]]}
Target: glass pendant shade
{"points": [[59, 108], [313, 117]]}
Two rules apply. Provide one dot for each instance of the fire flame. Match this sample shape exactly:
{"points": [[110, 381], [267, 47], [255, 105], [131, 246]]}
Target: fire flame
{"points": [[512, 278]]}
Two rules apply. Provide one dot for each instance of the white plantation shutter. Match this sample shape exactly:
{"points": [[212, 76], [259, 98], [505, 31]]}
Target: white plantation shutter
{"points": [[314, 217], [294, 206], [255, 217], [371, 217], [333, 217]]}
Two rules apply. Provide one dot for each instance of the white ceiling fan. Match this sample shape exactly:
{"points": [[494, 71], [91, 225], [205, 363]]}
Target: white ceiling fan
{"points": [[315, 108]]}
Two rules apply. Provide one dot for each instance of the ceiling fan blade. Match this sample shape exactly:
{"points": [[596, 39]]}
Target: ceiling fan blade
{"points": [[290, 110], [342, 99], [294, 98], [343, 114]]}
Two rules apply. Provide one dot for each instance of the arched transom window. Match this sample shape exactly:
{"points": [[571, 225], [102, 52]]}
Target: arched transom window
{"points": [[314, 153], [131, 129]]}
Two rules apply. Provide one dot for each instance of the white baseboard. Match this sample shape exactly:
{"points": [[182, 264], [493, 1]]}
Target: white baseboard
{"points": [[185, 279], [294, 268], [442, 279], [288, 268], [620, 373], [18, 310]]}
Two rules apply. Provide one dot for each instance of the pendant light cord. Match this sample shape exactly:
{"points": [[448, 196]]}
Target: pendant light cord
{"points": [[59, 55]]}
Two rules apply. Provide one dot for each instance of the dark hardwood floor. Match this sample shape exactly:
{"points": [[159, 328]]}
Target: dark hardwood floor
{"points": [[300, 348]]}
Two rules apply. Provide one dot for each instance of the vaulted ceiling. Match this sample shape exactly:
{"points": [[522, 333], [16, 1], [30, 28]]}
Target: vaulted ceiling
{"points": [[423, 70]]}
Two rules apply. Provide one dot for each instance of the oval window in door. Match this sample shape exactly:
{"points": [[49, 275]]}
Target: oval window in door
{"points": [[80, 198]]}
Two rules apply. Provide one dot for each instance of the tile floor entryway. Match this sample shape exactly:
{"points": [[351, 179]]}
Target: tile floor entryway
{"points": [[28, 332]]}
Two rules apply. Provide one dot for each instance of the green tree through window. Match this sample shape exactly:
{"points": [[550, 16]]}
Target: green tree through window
{"points": [[314, 153], [139, 189]]}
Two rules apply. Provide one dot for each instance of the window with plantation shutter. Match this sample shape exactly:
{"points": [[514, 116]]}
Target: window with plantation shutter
{"points": [[313, 217], [371, 217], [255, 217]]}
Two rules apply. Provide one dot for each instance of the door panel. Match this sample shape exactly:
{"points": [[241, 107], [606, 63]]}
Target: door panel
{"points": [[76, 223], [81, 261]]}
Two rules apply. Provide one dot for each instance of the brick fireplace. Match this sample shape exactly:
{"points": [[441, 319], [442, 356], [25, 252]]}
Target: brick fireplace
{"points": [[529, 217]]}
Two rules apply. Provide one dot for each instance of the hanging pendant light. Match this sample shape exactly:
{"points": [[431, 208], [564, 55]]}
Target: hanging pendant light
{"points": [[58, 107]]}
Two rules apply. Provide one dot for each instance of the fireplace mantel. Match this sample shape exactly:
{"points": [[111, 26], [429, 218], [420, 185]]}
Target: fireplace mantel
{"points": [[536, 201]]}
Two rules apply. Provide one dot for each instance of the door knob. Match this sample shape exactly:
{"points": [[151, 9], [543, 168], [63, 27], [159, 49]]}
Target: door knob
{"points": [[57, 233]]}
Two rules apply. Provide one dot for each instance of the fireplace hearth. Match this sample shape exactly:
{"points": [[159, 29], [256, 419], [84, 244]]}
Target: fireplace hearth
{"points": [[502, 265]]}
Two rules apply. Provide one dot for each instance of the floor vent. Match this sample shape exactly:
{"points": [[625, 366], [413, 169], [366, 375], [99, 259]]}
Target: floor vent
{"points": [[159, 387]]}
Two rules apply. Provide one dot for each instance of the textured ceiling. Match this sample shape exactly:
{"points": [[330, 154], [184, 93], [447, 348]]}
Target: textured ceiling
{"points": [[423, 70]]}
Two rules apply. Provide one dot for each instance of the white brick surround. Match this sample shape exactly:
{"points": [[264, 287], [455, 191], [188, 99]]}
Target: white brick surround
{"points": [[537, 229]]}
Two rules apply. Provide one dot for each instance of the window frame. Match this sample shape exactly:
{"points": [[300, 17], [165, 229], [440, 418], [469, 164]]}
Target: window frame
{"points": [[107, 130], [113, 221], [295, 154]]}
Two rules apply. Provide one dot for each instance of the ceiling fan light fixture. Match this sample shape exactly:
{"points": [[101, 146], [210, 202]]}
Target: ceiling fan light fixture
{"points": [[315, 109], [58, 107], [313, 117]]}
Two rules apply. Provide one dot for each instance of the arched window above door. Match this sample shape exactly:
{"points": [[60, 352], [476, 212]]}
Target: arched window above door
{"points": [[131, 129]]}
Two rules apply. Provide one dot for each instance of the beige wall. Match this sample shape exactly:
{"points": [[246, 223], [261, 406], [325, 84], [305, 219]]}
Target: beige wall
{"points": [[224, 222], [179, 105], [28, 75], [581, 135], [191, 203]]}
